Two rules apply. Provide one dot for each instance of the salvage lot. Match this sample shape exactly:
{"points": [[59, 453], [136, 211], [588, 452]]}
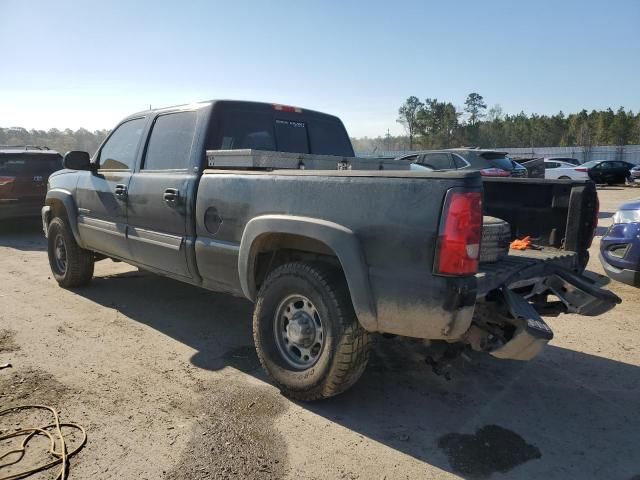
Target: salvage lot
{"points": [[164, 378]]}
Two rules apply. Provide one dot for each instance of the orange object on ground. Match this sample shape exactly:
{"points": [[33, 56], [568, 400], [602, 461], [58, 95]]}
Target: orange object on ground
{"points": [[521, 244]]}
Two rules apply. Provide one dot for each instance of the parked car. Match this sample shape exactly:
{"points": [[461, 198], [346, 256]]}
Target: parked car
{"points": [[24, 171], [489, 163], [268, 202], [572, 161], [620, 245], [563, 171], [607, 171], [635, 173]]}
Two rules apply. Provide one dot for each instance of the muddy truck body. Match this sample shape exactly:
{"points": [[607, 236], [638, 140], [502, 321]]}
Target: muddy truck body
{"points": [[268, 202]]}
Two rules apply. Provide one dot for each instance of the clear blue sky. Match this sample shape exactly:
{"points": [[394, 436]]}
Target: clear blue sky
{"points": [[83, 63]]}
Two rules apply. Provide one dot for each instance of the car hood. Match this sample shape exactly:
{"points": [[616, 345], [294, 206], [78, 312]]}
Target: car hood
{"points": [[632, 205]]}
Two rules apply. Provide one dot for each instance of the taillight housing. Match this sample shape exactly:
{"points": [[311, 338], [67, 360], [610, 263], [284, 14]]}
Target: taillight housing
{"points": [[581, 169], [6, 180], [495, 172], [459, 234]]}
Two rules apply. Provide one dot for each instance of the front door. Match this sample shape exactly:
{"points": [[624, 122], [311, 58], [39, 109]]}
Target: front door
{"points": [[102, 196], [160, 193]]}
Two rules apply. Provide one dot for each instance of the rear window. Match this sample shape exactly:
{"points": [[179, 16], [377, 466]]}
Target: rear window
{"points": [[29, 164], [277, 131], [498, 160]]}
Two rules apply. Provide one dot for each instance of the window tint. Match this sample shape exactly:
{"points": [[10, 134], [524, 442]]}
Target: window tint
{"points": [[170, 142], [260, 130], [549, 165], [437, 161], [44, 165], [292, 136], [329, 137], [11, 165], [247, 130], [29, 164], [459, 162], [120, 150]]}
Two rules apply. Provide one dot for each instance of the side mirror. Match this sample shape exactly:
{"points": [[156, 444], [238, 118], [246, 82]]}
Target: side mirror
{"points": [[77, 160]]}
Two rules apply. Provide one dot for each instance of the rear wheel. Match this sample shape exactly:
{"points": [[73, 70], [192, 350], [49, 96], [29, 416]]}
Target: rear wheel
{"points": [[564, 177], [71, 265], [306, 332]]}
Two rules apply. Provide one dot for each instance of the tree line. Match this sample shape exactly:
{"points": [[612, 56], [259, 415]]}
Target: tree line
{"points": [[59, 140], [433, 124], [429, 124]]}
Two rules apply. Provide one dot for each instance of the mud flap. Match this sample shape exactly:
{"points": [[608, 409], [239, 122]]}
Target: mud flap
{"points": [[532, 333]]}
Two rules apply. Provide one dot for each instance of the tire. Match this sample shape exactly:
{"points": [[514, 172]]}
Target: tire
{"points": [[308, 307], [496, 236], [564, 177], [71, 265]]}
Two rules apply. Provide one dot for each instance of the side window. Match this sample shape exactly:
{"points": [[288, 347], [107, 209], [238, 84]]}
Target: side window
{"points": [[169, 146], [548, 165], [119, 153], [459, 162], [437, 161]]}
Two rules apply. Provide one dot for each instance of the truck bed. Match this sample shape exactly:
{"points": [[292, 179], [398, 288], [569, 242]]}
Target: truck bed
{"points": [[492, 275]]}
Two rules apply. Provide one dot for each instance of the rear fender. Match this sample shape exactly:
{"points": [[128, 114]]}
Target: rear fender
{"points": [[341, 240]]}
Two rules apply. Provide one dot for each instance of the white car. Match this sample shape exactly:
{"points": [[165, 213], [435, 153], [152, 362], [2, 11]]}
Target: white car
{"points": [[554, 169]]}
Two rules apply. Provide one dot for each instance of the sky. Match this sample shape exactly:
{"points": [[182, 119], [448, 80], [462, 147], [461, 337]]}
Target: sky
{"points": [[71, 64]]}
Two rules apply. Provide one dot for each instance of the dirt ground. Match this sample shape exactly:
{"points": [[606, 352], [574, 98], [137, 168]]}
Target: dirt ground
{"points": [[164, 378]]}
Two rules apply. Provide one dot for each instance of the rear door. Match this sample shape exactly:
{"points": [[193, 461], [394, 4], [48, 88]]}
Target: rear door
{"points": [[102, 196], [160, 194]]}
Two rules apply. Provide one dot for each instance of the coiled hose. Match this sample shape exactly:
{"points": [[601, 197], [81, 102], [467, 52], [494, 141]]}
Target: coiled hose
{"points": [[62, 456]]}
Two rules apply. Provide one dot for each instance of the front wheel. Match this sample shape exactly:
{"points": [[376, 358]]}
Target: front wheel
{"points": [[71, 265], [306, 332]]}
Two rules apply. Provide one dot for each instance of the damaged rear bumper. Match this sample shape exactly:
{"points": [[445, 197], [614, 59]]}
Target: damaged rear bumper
{"points": [[508, 326]]}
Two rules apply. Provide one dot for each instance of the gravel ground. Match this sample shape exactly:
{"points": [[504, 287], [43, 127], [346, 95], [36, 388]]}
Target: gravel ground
{"points": [[164, 378]]}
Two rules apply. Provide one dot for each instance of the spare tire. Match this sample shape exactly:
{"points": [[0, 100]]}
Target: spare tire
{"points": [[496, 237]]}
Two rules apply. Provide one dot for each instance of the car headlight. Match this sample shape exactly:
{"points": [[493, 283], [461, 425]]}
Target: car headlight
{"points": [[627, 216]]}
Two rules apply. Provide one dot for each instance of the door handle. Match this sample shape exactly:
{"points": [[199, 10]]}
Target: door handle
{"points": [[121, 191], [171, 195]]}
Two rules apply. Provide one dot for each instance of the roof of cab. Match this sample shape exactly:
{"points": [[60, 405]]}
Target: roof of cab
{"points": [[206, 103]]}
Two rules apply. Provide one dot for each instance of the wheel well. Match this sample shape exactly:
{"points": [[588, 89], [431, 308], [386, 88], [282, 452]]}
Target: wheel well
{"points": [[271, 250], [57, 208]]}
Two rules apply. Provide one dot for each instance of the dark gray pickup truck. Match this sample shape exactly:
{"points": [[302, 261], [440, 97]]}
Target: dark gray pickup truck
{"points": [[268, 202]]}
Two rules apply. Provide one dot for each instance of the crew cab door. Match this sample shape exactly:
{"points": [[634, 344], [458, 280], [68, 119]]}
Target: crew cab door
{"points": [[160, 195], [101, 196]]}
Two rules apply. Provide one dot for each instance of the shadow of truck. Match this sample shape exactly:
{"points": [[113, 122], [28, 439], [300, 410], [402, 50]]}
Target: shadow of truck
{"points": [[566, 414]]}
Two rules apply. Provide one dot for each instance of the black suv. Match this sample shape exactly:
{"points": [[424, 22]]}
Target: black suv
{"points": [[24, 171], [490, 163]]}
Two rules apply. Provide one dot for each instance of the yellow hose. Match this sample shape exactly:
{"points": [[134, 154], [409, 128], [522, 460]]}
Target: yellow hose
{"points": [[62, 456]]}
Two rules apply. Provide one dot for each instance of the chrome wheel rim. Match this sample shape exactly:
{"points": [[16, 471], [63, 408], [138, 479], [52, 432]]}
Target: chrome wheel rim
{"points": [[60, 253], [299, 332]]}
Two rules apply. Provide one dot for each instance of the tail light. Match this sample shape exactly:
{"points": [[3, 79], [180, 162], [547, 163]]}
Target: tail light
{"points": [[580, 169], [495, 172], [458, 245], [6, 180]]}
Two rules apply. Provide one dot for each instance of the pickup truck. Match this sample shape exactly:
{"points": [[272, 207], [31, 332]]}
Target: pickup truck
{"points": [[268, 202]]}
